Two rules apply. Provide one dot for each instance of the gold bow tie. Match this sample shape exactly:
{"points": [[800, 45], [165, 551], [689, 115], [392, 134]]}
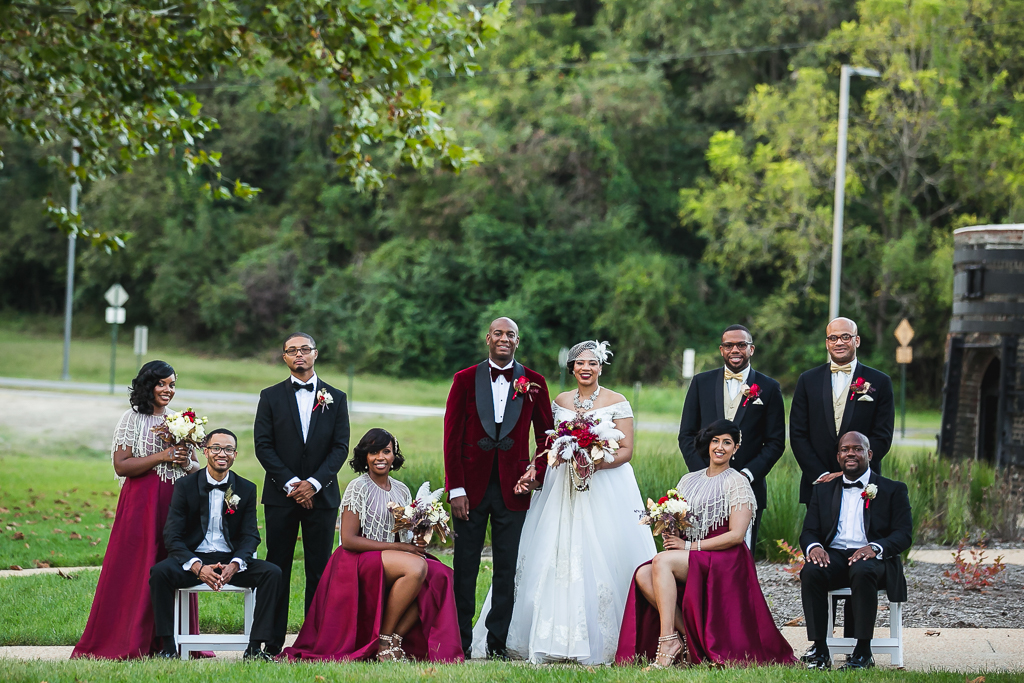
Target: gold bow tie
{"points": [[729, 374], [848, 368]]}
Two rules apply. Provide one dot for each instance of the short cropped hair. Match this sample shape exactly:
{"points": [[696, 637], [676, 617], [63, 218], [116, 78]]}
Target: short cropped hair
{"points": [[220, 431], [293, 335]]}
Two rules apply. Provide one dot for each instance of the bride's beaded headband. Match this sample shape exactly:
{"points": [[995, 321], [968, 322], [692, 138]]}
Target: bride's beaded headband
{"points": [[598, 348]]}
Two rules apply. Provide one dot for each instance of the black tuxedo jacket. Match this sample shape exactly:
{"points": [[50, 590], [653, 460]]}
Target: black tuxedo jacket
{"points": [[812, 422], [763, 425], [887, 522], [280, 449], [189, 517]]}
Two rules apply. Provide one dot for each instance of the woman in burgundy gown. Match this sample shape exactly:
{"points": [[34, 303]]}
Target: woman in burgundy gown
{"points": [[699, 600], [381, 595], [120, 624]]}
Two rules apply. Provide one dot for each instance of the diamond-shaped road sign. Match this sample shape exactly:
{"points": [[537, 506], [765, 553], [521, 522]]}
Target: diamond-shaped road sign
{"points": [[116, 296], [904, 332]]}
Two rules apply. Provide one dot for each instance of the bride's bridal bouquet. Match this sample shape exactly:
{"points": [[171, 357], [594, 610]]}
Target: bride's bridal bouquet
{"points": [[182, 428], [671, 513], [425, 515], [582, 442]]}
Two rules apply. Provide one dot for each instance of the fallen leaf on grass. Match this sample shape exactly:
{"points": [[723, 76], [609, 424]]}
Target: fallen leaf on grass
{"points": [[42, 565], [60, 501], [319, 679], [429, 671], [932, 633], [74, 536], [3, 510], [979, 679], [26, 545], [70, 577], [58, 531], [19, 536], [94, 543], [794, 622], [15, 568]]}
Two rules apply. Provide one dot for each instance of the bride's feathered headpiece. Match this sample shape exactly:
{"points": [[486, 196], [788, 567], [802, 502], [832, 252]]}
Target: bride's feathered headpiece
{"points": [[598, 348]]}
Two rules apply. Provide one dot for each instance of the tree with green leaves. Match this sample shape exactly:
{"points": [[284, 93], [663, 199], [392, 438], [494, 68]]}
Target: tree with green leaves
{"points": [[121, 78]]}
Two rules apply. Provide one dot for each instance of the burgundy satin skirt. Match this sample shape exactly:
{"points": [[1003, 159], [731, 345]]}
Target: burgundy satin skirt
{"points": [[120, 624], [725, 615], [344, 620]]}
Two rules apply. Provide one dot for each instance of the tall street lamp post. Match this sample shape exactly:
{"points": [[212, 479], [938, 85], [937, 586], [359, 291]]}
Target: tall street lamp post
{"points": [[69, 289]]}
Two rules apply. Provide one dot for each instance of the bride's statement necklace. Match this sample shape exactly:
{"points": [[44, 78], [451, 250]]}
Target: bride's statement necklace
{"points": [[584, 406]]}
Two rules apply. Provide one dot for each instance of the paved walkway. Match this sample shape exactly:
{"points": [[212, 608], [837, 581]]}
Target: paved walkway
{"points": [[966, 650]]}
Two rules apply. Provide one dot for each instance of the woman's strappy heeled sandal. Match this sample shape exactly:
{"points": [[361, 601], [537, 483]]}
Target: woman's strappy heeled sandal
{"points": [[394, 651], [663, 660]]}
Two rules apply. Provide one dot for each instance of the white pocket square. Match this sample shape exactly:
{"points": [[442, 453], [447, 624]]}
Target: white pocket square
{"points": [[865, 397], [758, 402]]}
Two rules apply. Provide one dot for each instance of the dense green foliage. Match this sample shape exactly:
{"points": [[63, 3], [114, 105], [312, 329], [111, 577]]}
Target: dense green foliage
{"points": [[651, 173]]}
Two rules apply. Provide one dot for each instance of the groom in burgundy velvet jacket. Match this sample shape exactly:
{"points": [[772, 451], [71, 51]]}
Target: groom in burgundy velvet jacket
{"points": [[487, 450]]}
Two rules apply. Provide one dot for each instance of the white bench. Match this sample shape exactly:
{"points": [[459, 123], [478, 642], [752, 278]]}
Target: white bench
{"points": [[187, 642], [892, 646]]}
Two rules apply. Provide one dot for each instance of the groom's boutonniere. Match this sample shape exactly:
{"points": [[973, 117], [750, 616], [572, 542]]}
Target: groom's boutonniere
{"points": [[863, 389], [323, 400], [870, 491], [525, 387], [752, 392], [231, 501]]}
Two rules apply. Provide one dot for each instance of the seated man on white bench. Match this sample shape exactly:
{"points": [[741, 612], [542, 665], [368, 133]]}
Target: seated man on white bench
{"points": [[211, 537], [856, 528]]}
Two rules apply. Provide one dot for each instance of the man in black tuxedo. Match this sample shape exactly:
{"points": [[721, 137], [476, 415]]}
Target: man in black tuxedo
{"points": [[841, 396], [855, 530], [729, 392], [301, 434], [211, 537]]}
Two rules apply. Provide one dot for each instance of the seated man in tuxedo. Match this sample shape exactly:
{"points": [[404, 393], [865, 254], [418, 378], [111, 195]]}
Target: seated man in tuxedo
{"points": [[857, 526], [211, 537]]}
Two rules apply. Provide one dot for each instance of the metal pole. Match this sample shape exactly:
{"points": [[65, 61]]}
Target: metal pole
{"points": [[113, 355], [351, 381], [903, 400], [837, 210], [69, 288]]}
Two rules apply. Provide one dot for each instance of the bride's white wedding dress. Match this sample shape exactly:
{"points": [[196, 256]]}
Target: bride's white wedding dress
{"points": [[577, 555]]}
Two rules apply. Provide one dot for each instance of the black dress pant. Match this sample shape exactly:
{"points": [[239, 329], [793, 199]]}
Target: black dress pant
{"points": [[862, 578], [283, 523], [506, 528], [167, 576]]}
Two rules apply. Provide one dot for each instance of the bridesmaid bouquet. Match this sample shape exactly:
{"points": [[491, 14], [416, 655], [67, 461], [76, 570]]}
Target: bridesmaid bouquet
{"points": [[671, 513], [182, 428], [425, 515], [582, 442]]}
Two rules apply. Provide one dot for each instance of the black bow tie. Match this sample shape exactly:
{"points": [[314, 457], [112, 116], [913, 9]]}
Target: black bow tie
{"points": [[207, 486], [506, 373], [299, 387], [854, 485]]}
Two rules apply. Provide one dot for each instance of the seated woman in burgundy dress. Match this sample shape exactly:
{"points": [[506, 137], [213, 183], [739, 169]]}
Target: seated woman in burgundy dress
{"points": [[699, 599], [380, 596]]}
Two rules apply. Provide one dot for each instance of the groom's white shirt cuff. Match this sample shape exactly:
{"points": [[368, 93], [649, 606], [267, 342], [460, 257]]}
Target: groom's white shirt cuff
{"points": [[237, 560], [296, 480], [456, 493], [750, 475]]}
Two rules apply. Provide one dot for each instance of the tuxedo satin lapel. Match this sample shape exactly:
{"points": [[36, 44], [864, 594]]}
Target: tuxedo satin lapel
{"points": [[485, 399], [826, 399], [720, 394], [224, 510], [837, 502], [742, 409], [850, 405], [316, 411], [513, 409], [204, 506], [288, 396], [873, 479]]}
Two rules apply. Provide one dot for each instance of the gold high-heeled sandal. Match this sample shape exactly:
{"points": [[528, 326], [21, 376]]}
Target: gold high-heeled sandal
{"points": [[660, 656], [394, 651]]}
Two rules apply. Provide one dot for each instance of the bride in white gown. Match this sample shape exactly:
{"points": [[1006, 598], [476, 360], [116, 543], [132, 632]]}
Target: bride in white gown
{"points": [[578, 549]]}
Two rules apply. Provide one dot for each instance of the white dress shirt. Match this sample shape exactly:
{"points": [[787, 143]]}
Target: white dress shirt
{"points": [[841, 380], [734, 386], [305, 400], [499, 395], [215, 542], [851, 533]]}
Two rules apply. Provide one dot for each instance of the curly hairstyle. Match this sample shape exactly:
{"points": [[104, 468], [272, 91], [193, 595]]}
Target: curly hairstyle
{"points": [[140, 395], [716, 428], [374, 441]]}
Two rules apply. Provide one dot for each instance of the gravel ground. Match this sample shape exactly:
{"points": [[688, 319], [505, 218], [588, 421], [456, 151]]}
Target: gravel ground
{"points": [[933, 600]]}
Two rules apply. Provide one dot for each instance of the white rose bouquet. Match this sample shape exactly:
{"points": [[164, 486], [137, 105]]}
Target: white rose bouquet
{"points": [[182, 428], [425, 515]]}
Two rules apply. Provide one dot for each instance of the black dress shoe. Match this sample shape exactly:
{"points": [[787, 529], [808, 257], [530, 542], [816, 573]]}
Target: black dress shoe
{"points": [[858, 662], [498, 654], [167, 655], [815, 659], [258, 656]]}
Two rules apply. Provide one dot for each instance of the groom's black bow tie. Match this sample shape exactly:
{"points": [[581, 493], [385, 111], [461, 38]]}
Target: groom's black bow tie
{"points": [[207, 486], [496, 373], [299, 387], [854, 485]]}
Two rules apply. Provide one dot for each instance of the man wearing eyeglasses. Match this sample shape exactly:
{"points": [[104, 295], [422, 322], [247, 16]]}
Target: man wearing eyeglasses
{"points": [[748, 398], [841, 396], [301, 434]]}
